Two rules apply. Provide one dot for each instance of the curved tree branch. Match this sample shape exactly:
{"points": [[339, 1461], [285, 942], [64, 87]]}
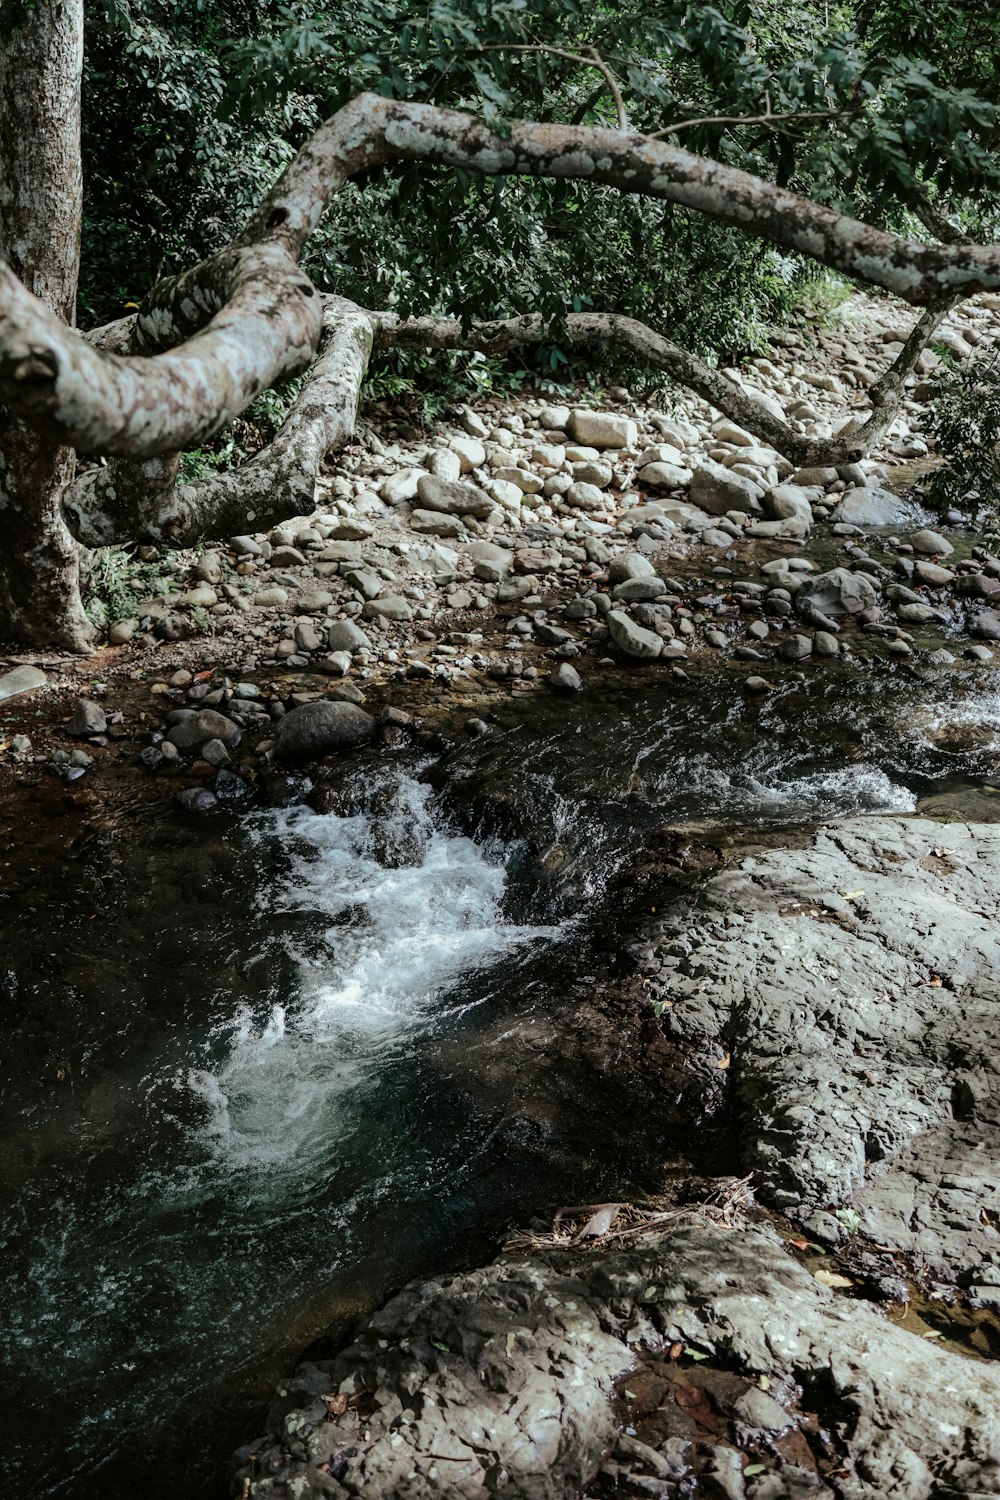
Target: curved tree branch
{"points": [[371, 130], [276, 483], [78, 394], [250, 317]]}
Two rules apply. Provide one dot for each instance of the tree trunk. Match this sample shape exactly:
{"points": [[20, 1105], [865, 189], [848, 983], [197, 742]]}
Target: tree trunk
{"points": [[40, 204]]}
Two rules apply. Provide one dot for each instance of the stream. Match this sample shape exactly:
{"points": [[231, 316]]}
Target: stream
{"points": [[232, 1113]]}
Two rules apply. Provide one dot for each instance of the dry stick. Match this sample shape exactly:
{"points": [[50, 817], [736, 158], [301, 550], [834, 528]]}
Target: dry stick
{"points": [[595, 60], [767, 118]]}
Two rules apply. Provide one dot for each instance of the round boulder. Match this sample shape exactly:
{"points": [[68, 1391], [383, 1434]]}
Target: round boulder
{"points": [[321, 728]]}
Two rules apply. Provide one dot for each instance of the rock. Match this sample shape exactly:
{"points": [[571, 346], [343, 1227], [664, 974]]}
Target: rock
{"points": [[215, 752], [631, 638], [664, 476], [797, 648], [400, 488], [349, 529], [717, 490], [454, 497], [321, 728], [21, 680], [307, 637], [389, 607], [584, 496], [534, 1345], [836, 593], [88, 718], [470, 451], [931, 544], [603, 429], [825, 644], [904, 899], [194, 732], [489, 562], [554, 418], [202, 597], [122, 631], [271, 598], [985, 625], [246, 546], [565, 678], [474, 424], [287, 557], [196, 799], [436, 523], [937, 577], [968, 585], [342, 551], [821, 477], [789, 501], [640, 590], [873, 506], [729, 432], [537, 559], [445, 464], [631, 565], [344, 635]]}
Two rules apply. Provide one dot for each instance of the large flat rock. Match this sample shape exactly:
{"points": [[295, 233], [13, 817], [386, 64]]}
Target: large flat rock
{"points": [[854, 984], [497, 1383]]}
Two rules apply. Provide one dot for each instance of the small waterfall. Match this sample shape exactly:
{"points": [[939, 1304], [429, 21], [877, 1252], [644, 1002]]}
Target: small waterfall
{"points": [[398, 909]]}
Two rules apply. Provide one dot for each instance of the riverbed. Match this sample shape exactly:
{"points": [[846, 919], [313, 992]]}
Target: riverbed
{"points": [[256, 1071]]}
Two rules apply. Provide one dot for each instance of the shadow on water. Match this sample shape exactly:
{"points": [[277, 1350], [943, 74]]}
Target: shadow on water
{"points": [[257, 1074]]}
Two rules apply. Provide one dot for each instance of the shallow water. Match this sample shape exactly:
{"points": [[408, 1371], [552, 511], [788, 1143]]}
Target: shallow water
{"points": [[231, 1118]]}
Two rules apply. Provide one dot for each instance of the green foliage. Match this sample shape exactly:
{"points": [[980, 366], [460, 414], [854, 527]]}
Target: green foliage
{"points": [[118, 582], [881, 104], [964, 423]]}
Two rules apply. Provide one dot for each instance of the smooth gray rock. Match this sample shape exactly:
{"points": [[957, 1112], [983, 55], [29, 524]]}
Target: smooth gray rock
{"points": [[454, 497], [489, 562], [190, 734], [835, 594], [789, 502], [874, 506], [565, 678], [88, 718], [717, 490], [388, 607], [931, 544], [344, 635], [631, 565], [321, 728], [631, 638], [21, 680]]}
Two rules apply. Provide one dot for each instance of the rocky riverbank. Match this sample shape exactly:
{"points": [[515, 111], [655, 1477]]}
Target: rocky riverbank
{"points": [[843, 992], [527, 542]]}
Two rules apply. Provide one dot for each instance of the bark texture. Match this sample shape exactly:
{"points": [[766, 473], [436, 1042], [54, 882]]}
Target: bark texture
{"points": [[278, 482], [40, 208]]}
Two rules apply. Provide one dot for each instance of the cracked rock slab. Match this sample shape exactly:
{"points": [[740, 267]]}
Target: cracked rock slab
{"points": [[497, 1382], [855, 985]]}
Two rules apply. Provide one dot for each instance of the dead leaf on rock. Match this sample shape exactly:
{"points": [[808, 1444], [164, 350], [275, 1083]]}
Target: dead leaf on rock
{"points": [[833, 1279]]}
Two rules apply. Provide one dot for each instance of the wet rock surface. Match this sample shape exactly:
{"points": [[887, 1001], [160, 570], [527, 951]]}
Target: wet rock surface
{"points": [[505, 1375], [852, 986]]}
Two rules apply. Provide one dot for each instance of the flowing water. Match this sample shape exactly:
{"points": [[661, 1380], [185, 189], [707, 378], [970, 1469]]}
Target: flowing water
{"points": [[232, 1114]]}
